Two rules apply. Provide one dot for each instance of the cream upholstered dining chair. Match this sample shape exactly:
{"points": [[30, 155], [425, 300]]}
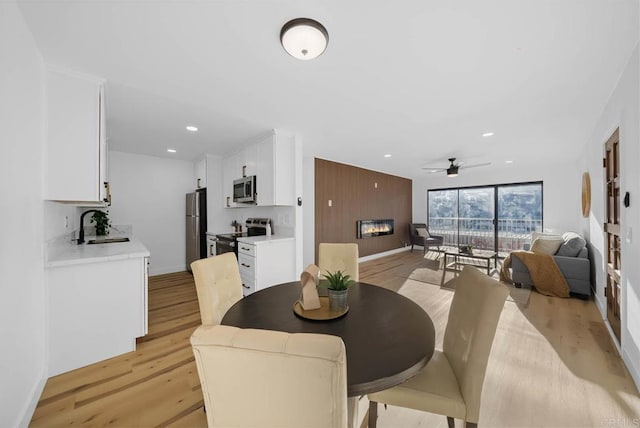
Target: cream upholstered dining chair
{"points": [[218, 285], [264, 378], [343, 257], [451, 383]]}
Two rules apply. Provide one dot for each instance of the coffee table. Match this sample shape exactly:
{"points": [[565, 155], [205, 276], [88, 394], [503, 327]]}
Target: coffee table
{"points": [[455, 259]]}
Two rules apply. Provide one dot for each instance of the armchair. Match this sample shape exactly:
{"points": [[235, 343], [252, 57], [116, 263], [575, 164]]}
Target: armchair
{"points": [[424, 239]]}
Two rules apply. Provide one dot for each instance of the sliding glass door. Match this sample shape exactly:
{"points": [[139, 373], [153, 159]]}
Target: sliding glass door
{"points": [[499, 217], [519, 214]]}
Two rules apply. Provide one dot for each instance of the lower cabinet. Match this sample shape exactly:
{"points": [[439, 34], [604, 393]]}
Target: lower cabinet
{"points": [[265, 263], [95, 311]]}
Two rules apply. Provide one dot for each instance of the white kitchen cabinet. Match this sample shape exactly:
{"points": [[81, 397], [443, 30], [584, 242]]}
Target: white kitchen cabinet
{"points": [[272, 161], [276, 170], [95, 311], [201, 173], [265, 262], [211, 245], [229, 173], [76, 146], [248, 161]]}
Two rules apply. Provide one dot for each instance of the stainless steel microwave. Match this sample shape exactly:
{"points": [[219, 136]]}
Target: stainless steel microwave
{"points": [[244, 190]]}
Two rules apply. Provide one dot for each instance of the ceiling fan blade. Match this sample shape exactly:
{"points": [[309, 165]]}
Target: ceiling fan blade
{"points": [[432, 170], [474, 165]]}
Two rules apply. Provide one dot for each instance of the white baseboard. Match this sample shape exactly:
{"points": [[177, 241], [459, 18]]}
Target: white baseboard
{"points": [[30, 406], [633, 370], [386, 253], [622, 351]]}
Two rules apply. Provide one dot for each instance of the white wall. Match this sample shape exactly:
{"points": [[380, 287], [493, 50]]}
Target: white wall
{"points": [[22, 326], [622, 110], [149, 194], [561, 189]]}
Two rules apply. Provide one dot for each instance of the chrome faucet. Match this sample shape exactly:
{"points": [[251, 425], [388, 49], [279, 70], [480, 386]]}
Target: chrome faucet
{"points": [[81, 232]]}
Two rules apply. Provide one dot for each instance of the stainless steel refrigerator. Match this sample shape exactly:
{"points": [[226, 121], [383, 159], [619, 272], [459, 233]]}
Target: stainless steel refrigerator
{"points": [[196, 226]]}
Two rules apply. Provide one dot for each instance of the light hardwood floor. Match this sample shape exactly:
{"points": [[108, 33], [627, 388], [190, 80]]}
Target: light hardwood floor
{"points": [[552, 365]]}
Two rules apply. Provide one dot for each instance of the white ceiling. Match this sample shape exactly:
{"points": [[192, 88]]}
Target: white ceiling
{"points": [[419, 79]]}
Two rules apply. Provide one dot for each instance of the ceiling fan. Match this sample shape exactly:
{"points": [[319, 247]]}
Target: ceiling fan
{"points": [[452, 169]]}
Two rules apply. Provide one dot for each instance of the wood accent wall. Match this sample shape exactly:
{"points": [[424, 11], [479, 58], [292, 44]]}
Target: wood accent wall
{"points": [[354, 197]]}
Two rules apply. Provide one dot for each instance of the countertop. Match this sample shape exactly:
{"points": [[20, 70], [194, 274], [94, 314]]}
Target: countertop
{"points": [[67, 254], [257, 240]]}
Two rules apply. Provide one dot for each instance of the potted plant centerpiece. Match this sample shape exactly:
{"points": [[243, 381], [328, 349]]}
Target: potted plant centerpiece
{"points": [[338, 284], [101, 219]]}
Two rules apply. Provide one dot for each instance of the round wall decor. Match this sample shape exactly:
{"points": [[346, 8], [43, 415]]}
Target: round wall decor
{"points": [[586, 194]]}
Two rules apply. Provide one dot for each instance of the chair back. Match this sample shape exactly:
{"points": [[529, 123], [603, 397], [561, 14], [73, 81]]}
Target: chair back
{"points": [[471, 327], [264, 378], [414, 226], [334, 257], [218, 285]]}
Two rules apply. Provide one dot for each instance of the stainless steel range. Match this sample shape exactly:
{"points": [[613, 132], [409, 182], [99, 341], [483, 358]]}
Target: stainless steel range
{"points": [[228, 242]]}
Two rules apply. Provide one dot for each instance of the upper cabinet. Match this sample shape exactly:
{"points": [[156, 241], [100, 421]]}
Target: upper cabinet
{"points": [[272, 161], [276, 170], [76, 146], [247, 161], [229, 173]]}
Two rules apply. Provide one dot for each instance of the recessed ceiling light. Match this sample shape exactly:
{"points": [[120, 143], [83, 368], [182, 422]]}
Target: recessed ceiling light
{"points": [[387, 156], [509, 161], [192, 128], [488, 134], [171, 150]]}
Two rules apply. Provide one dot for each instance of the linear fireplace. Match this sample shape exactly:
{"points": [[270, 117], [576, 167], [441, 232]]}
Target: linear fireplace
{"points": [[371, 228]]}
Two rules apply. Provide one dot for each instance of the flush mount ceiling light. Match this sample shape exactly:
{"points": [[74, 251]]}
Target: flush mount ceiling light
{"points": [[192, 128], [304, 38], [171, 150], [387, 156], [488, 134]]}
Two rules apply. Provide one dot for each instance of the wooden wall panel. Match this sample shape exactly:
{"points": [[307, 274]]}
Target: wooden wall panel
{"points": [[354, 196]]}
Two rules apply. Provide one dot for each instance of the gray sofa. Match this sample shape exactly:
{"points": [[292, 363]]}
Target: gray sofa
{"points": [[573, 260]]}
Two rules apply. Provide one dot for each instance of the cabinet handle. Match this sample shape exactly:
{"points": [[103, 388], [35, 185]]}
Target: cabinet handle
{"points": [[198, 183], [244, 171], [245, 265], [245, 248], [228, 204], [246, 286], [107, 193]]}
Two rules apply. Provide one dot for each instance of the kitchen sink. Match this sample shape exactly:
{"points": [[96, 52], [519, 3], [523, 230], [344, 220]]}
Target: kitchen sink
{"points": [[107, 240]]}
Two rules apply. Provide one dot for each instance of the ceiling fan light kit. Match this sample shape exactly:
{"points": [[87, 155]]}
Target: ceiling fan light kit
{"points": [[304, 38]]}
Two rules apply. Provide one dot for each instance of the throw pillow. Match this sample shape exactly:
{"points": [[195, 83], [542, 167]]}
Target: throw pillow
{"points": [[572, 245], [546, 246], [422, 232], [536, 235]]}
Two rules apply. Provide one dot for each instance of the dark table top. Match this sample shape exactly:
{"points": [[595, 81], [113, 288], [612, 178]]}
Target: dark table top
{"points": [[388, 337]]}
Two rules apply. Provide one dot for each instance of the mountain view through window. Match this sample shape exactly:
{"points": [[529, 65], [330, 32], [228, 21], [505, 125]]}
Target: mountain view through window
{"points": [[467, 216]]}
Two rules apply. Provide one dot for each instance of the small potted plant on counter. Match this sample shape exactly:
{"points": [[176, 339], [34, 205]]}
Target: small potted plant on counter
{"points": [[337, 284], [101, 219]]}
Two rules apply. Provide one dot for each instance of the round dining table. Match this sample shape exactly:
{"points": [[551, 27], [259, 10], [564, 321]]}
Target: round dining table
{"points": [[388, 338]]}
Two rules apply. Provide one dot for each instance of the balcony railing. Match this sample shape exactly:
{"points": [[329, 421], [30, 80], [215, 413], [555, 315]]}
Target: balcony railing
{"points": [[480, 232]]}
